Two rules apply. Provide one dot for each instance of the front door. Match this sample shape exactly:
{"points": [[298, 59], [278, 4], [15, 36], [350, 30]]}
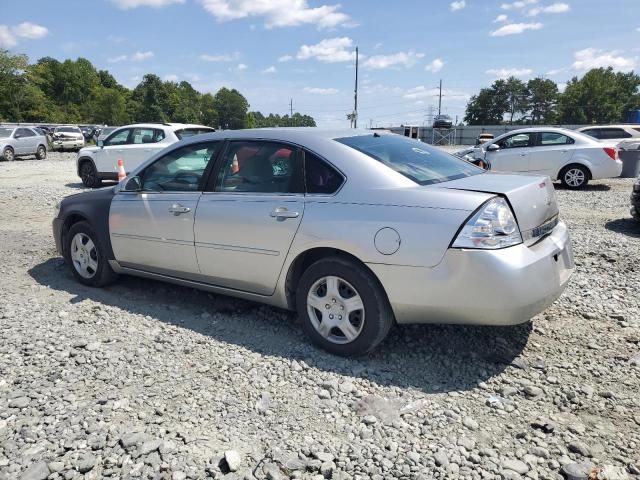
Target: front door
{"points": [[24, 140], [551, 152], [513, 155], [152, 230], [114, 148], [246, 222]]}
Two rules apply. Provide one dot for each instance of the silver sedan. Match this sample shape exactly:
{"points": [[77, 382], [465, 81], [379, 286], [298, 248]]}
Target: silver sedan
{"points": [[355, 230]]}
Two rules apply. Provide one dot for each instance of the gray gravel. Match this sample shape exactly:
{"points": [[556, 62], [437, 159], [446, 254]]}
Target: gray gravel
{"points": [[149, 380]]}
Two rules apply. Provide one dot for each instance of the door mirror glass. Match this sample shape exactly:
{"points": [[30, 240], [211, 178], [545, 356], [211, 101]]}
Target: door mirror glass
{"points": [[134, 184], [100, 143], [493, 148]]}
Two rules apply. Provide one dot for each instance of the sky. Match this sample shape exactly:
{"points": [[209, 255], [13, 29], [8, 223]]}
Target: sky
{"points": [[275, 51]]}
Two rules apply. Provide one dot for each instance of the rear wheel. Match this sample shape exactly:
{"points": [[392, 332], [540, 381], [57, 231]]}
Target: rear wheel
{"points": [[85, 254], [575, 177], [89, 175], [8, 154], [41, 153], [343, 308]]}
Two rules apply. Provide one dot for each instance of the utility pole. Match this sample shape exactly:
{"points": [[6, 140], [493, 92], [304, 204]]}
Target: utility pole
{"points": [[440, 99], [291, 110], [355, 96]]}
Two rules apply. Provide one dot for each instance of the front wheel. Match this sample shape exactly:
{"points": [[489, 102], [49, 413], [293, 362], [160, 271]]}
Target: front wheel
{"points": [[575, 177], [89, 175], [8, 154], [41, 153], [86, 255], [343, 308]]}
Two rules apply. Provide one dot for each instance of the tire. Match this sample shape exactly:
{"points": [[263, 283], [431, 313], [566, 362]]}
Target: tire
{"points": [[89, 175], [368, 316], [574, 177], [84, 252], [41, 153], [8, 154]]}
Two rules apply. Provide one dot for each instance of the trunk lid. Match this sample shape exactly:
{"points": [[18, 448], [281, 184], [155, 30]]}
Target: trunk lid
{"points": [[532, 198]]}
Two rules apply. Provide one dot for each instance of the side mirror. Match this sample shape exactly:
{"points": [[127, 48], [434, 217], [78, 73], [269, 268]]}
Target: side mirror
{"points": [[134, 184], [100, 143], [493, 148]]}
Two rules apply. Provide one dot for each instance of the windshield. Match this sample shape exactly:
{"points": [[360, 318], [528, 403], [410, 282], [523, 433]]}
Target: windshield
{"points": [[5, 132], [415, 160], [68, 129]]}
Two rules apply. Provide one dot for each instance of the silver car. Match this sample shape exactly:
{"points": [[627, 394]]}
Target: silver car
{"points": [[354, 230], [22, 141]]}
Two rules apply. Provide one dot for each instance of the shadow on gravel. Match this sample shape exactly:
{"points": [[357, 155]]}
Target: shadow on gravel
{"points": [[430, 358], [626, 226], [80, 185], [599, 187]]}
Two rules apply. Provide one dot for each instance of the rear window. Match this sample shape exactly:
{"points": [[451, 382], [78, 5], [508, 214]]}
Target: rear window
{"points": [[190, 132], [6, 132], [421, 163]]}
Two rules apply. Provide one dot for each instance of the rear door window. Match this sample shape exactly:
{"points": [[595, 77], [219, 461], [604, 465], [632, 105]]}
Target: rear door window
{"points": [[320, 177], [613, 133], [546, 139], [142, 135]]}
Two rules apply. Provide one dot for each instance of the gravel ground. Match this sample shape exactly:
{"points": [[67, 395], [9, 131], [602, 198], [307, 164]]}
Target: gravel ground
{"points": [[144, 379]]}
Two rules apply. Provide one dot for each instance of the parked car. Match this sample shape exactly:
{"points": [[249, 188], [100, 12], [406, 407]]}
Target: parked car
{"points": [[613, 134], [21, 141], [484, 138], [355, 230], [67, 138], [635, 200], [133, 144], [442, 121], [88, 131], [565, 155]]}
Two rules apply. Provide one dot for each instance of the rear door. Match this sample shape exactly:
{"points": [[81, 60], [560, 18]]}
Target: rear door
{"points": [[247, 219], [513, 155], [144, 144], [152, 230], [551, 151]]}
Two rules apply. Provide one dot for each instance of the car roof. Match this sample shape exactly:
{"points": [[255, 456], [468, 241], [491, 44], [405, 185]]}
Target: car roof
{"points": [[609, 126], [165, 125], [290, 134]]}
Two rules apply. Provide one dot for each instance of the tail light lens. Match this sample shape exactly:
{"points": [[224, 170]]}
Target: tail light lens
{"points": [[612, 152], [493, 226]]}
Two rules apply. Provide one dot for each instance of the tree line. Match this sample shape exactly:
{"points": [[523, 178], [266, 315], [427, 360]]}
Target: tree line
{"points": [[74, 91], [600, 96]]}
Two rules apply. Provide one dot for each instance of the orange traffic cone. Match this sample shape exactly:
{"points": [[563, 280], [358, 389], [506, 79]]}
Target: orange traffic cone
{"points": [[235, 168], [121, 173]]}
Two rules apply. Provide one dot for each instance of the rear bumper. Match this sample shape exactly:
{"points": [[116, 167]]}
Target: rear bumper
{"points": [[500, 287], [608, 169]]}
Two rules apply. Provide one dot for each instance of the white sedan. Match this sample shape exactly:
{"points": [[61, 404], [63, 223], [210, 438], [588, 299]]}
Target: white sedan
{"points": [[565, 155]]}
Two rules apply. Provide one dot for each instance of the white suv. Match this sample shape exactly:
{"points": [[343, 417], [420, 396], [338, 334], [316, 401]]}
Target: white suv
{"points": [[621, 135], [133, 144]]}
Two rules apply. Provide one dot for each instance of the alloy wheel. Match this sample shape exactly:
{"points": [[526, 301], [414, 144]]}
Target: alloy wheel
{"points": [[574, 177], [87, 174], [336, 309], [8, 155], [84, 255]]}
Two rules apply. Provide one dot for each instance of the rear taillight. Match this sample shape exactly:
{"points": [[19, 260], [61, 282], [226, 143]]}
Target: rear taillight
{"points": [[612, 152]]}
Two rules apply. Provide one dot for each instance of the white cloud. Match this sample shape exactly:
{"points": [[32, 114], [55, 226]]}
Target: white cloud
{"points": [[139, 56], [501, 18], [241, 67], [400, 59], [278, 13], [172, 77], [553, 8], [285, 58], [9, 35], [457, 5], [562, 87], [320, 91], [422, 92], [330, 50], [30, 30], [7, 40], [127, 4], [224, 57], [556, 71], [515, 28], [518, 5], [595, 58], [134, 57], [270, 69], [508, 72], [435, 66]]}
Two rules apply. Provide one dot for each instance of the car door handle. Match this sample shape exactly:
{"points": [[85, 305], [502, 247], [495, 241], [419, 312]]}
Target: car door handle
{"points": [[282, 212], [178, 209]]}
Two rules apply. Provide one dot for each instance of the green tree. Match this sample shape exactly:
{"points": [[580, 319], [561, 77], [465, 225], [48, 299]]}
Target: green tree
{"points": [[151, 99], [232, 108], [482, 109], [13, 82], [542, 100], [208, 111], [110, 107]]}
